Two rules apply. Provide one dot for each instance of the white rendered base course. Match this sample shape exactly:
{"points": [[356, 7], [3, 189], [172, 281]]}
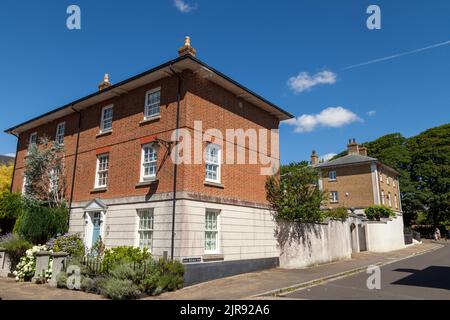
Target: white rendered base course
{"points": [[243, 232]]}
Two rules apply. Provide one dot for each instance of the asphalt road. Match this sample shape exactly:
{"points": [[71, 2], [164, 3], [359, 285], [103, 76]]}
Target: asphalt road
{"points": [[425, 276]]}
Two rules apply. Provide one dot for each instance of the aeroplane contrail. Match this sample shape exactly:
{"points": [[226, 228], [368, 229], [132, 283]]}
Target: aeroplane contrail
{"points": [[397, 55]]}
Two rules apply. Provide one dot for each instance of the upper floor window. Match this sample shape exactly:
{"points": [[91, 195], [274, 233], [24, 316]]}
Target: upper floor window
{"points": [[60, 132], [152, 103], [33, 139], [389, 199], [381, 175], [145, 229], [382, 197], [107, 118], [211, 232], [213, 159], [387, 180], [393, 182], [332, 175], [148, 162], [395, 201], [334, 196], [101, 180]]}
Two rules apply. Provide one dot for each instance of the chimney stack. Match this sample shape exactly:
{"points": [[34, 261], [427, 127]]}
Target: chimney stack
{"points": [[363, 151], [352, 147], [314, 158], [187, 49], [105, 83]]}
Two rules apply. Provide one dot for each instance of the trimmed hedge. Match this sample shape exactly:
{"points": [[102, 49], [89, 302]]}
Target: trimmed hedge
{"points": [[376, 212]]}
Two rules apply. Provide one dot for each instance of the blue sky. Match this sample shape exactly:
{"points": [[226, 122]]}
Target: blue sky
{"points": [[261, 44]]}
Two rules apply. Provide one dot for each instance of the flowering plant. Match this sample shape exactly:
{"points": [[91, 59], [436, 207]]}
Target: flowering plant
{"points": [[26, 267]]}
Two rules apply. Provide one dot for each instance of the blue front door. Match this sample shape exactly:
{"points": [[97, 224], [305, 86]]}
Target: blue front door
{"points": [[95, 227]]}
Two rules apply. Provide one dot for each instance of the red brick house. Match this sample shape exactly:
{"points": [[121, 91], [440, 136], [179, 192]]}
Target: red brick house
{"points": [[122, 182]]}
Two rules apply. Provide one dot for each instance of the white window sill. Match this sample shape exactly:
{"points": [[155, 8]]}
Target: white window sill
{"points": [[146, 182], [99, 189], [332, 180], [150, 119], [334, 201], [213, 184], [104, 133], [212, 256]]}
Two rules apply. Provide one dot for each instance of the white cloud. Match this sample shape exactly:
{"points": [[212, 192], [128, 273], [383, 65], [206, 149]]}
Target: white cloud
{"points": [[371, 113], [327, 156], [303, 81], [183, 6], [10, 155], [333, 117]]}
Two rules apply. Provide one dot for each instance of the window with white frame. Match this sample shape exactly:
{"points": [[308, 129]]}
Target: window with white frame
{"points": [[395, 201], [148, 162], [381, 175], [387, 180], [33, 139], [332, 175], [211, 231], [107, 118], [382, 197], [101, 180], [389, 199], [334, 196], [393, 182], [60, 132], [213, 160], [152, 103], [145, 229]]}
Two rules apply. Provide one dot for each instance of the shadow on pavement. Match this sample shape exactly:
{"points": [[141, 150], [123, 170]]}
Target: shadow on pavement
{"points": [[432, 277]]}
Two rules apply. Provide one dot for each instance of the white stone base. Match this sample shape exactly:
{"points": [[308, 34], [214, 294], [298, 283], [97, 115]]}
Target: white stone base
{"points": [[244, 232]]}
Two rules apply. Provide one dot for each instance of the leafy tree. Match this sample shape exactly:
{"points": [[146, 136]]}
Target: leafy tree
{"points": [[376, 212], [430, 172], [45, 173], [295, 194], [6, 172], [10, 209]]}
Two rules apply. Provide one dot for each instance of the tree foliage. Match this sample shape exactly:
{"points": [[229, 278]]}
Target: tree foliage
{"points": [[376, 212], [10, 209], [6, 172], [45, 172], [295, 194]]}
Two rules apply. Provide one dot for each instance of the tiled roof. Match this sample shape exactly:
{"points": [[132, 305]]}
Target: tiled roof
{"points": [[348, 159]]}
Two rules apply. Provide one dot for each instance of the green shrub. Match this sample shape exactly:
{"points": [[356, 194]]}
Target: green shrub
{"points": [[71, 244], [119, 289], [15, 247], [10, 209], [376, 212], [337, 213], [128, 271], [61, 280], [38, 224], [88, 285], [123, 254]]}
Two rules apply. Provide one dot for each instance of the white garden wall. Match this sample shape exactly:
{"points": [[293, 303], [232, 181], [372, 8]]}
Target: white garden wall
{"points": [[386, 235], [304, 245]]}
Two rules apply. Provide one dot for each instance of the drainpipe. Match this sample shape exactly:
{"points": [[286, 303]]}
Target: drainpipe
{"points": [[74, 163], [175, 166], [15, 163]]}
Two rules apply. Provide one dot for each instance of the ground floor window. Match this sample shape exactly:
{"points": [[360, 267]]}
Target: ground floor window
{"points": [[145, 229], [211, 231]]}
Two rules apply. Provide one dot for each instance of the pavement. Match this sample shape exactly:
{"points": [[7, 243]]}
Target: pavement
{"points": [[420, 277], [268, 284]]}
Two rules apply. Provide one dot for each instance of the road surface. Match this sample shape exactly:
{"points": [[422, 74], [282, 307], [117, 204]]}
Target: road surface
{"points": [[425, 276]]}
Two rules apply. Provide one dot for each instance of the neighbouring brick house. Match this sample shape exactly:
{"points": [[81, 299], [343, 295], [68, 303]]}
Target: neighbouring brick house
{"points": [[123, 186], [357, 181]]}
